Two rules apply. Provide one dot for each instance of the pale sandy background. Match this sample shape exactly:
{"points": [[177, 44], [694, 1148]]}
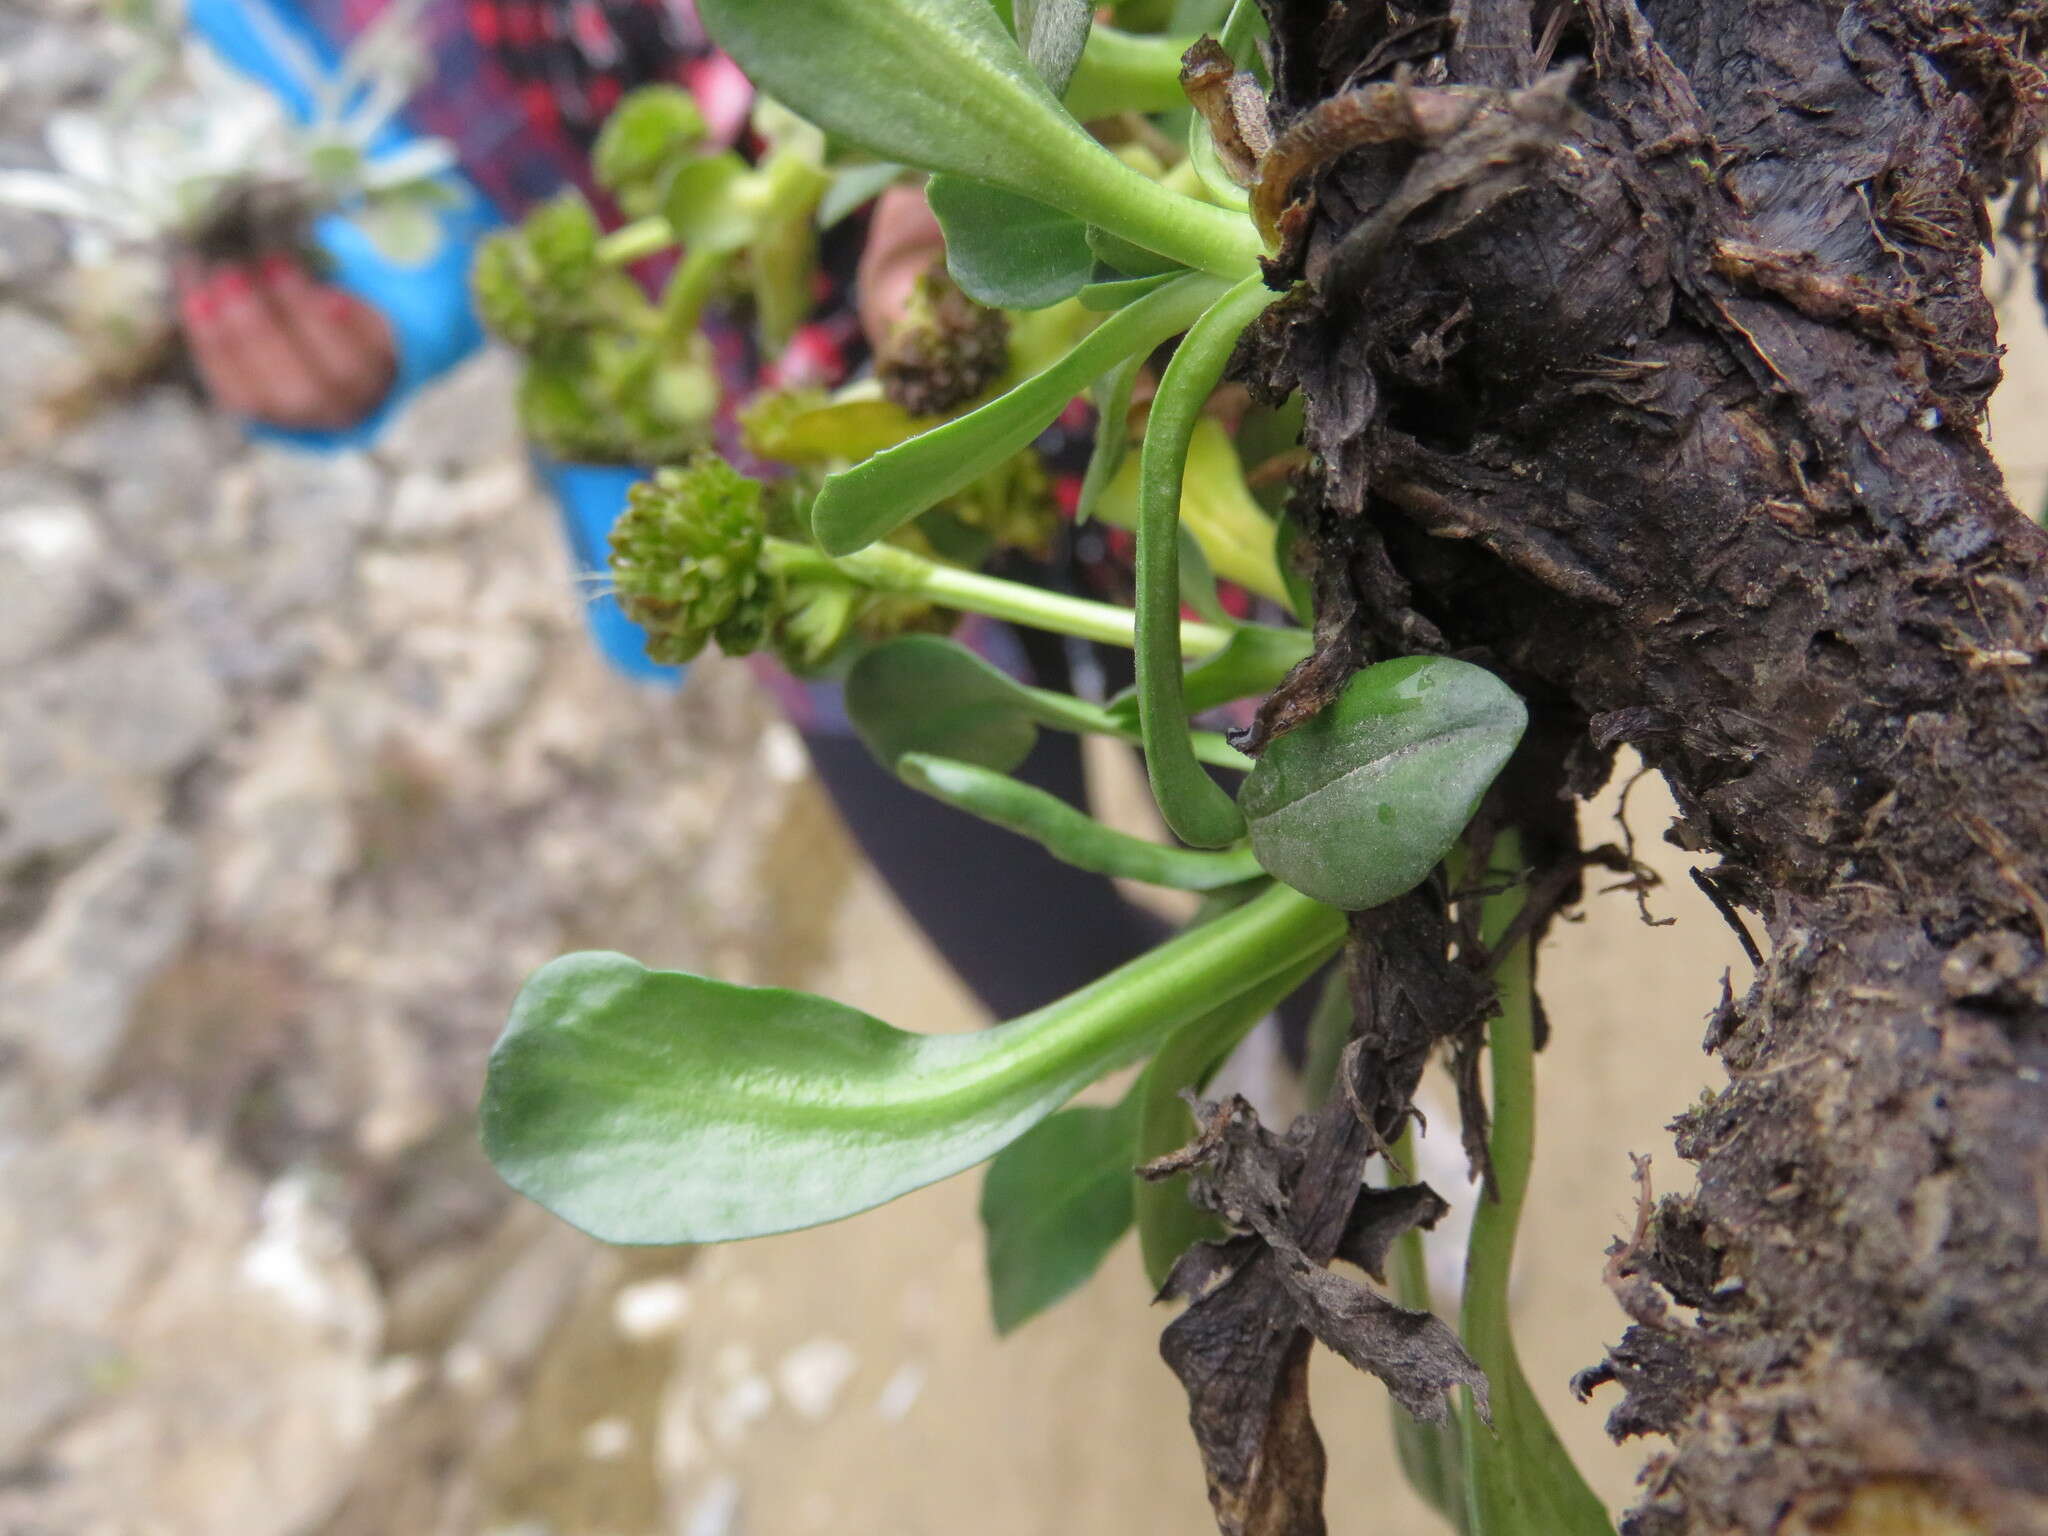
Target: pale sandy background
{"points": [[303, 765]]}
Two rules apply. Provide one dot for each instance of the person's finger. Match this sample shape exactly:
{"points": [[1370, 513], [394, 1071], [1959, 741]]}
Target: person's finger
{"points": [[269, 367], [226, 383], [347, 343], [903, 241]]}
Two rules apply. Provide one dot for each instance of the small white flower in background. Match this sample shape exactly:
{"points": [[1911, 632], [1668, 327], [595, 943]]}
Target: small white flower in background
{"points": [[151, 160]]}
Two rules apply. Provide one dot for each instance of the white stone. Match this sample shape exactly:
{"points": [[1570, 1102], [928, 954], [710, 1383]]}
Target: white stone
{"points": [[812, 1376], [67, 994], [716, 1511], [738, 1408], [52, 557], [651, 1309], [211, 1405], [143, 703], [608, 1439], [900, 1392]]}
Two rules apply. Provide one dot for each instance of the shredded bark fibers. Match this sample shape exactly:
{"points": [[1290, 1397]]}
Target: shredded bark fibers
{"points": [[1645, 354]]}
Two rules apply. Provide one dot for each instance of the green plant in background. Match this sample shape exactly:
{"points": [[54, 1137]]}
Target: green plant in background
{"points": [[660, 1107], [186, 151]]}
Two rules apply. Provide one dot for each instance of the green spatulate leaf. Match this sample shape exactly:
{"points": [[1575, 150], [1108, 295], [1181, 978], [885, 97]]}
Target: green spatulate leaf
{"points": [[859, 506], [1009, 251], [940, 84], [659, 1107], [1359, 804], [924, 694]]}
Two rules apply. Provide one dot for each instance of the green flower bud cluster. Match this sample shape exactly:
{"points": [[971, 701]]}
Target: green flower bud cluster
{"points": [[1012, 505], [650, 132], [602, 383], [692, 562], [945, 350], [537, 282], [686, 559]]}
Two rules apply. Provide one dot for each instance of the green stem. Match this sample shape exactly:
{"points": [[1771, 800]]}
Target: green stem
{"points": [[1126, 72], [1195, 807], [788, 187], [1144, 1000], [636, 241], [1432, 1456], [689, 289], [1064, 712], [1519, 1476], [1069, 835], [1112, 420], [886, 568]]}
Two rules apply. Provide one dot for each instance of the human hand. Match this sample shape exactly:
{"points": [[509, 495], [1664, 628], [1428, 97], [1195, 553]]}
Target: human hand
{"points": [[903, 241], [273, 344]]}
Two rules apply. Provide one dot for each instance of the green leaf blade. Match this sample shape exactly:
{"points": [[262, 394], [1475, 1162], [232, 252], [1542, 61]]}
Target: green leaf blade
{"points": [[1359, 804], [921, 693], [940, 84], [862, 504], [1008, 251], [657, 1107], [1053, 1204]]}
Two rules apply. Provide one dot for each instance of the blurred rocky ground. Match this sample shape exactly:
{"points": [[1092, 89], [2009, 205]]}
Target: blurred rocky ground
{"points": [[304, 765]]}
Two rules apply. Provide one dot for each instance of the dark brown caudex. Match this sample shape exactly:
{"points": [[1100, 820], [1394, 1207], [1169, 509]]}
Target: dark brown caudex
{"points": [[1648, 366]]}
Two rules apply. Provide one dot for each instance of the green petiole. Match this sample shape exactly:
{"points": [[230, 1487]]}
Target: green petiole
{"points": [[921, 693], [1518, 1475], [1195, 807], [779, 193], [1069, 835], [886, 568], [1432, 1456], [1126, 72], [689, 287], [636, 241], [1064, 712]]}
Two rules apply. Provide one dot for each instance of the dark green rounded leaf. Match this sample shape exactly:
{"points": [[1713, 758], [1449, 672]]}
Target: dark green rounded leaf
{"points": [[1359, 804], [921, 693], [1053, 1203], [1008, 251]]}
